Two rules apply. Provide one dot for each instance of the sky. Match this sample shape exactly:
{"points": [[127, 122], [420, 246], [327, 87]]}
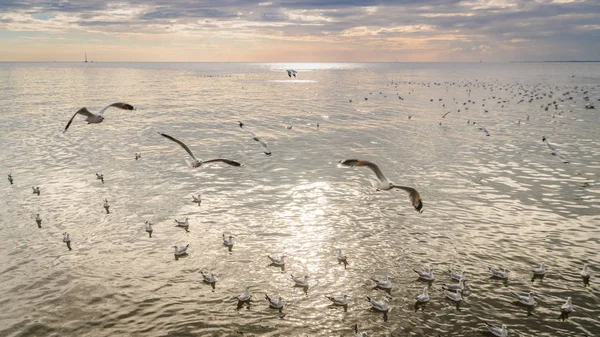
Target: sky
{"points": [[299, 31]]}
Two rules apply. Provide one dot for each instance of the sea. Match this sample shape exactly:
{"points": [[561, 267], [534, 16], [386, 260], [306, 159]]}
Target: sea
{"points": [[502, 201]]}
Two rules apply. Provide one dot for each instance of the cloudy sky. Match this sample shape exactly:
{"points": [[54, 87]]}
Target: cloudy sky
{"points": [[300, 31]]}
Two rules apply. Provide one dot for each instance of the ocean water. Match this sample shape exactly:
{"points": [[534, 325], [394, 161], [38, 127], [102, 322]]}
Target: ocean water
{"points": [[499, 201]]}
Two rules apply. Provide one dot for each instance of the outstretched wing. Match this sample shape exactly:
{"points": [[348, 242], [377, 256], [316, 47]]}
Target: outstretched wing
{"points": [[361, 163], [187, 149], [264, 146], [413, 196], [226, 161], [119, 105], [84, 111], [250, 132]]}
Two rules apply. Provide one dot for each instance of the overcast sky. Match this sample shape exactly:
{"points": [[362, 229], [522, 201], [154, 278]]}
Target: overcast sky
{"points": [[298, 31]]}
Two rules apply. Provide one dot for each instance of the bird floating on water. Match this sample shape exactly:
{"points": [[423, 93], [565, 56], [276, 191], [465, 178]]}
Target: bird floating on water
{"points": [[497, 273], [209, 278], [383, 183], [568, 306], [426, 275], [540, 271], [36, 190], [453, 286], [383, 284], [180, 251], [525, 300], [341, 258], [276, 304], [106, 206], [185, 224], [67, 239], [38, 220], [256, 138], [458, 276], [424, 297], [453, 296], [100, 176], [277, 262], [10, 178], [300, 281], [97, 118], [343, 301], [496, 331], [379, 305], [245, 296], [197, 200], [228, 241], [195, 162], [149, 228], [554, 151]]}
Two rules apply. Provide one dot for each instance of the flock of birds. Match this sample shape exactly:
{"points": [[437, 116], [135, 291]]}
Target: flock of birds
{"points": [[451, 291]]}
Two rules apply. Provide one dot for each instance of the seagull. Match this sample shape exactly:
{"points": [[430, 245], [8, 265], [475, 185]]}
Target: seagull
{"points": [[501, 274], [276, 261], [67, 239], [291, 72], [149, 228], [424, 297], [106, 206], [453, 296], [181, 251], [357, 333], [496, 331], [584, 272], [209, 278], [444, 115], [182, 224], [197, 200], [245, 296], [567, 307], [525, 300], [36, 190], [454, 286], [484, 129], [300, 281], [379, 305], [97, 118], [383, 183], [195, 161], [554, 151], [277, 304], [256, 138], [341, 258], [38, 220], [10, 178], [228, 242], [100, 176], [339, 301], [138, 156], [540, 271], [385, 284], [426, 275], [458, 276]]}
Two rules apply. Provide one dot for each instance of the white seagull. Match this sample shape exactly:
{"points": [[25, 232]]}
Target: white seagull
{"points": [[554, 151], [424, 297], [383, 183], [97, 118], [36, 190], [484, 129], [106, 206], [38, 220], [185, 224], [585, 272], [138, 156], [567, 307], [496, 331], [228, 242], [209, 278], [149, 228], [453, 296], [383, 284], [195, 162], [540, 271], [276, 261], [181, 250], [342, 258], [256, 138], [501, 274], [379, 305], [525, 300], [277, 304], [458, 276], [454, 286], [67, 239], [245, 296], [197, 200], [426, 275], [291, 72], [339, 301], [300, 281]]}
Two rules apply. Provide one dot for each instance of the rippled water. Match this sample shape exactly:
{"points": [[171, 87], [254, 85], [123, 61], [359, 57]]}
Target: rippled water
{"points": [[501, 201]]}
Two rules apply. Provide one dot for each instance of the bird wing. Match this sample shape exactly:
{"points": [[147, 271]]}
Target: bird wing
{"points": [[226, 161], [361, 163], [84, 111], [289, 73], [187, 149], [119, 105], [413, 195], [250, 132], [264, 146], [444, 116]]}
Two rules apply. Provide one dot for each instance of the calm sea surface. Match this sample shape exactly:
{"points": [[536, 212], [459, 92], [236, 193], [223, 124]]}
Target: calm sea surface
{"points": [[500, 201]]}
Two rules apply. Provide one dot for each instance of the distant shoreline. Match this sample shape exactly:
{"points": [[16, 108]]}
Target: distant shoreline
{"points": [[554, 61]]}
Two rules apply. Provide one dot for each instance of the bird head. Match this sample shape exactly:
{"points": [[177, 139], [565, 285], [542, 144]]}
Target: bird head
{"points": [[543, 138]]}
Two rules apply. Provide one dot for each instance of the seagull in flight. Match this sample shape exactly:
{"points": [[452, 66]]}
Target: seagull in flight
{"points": [[484, 129], [10, 178], [100, 176], [384, 184], [97, 118], [256, 138], [195, 161], [554, 151], [291, 72]]}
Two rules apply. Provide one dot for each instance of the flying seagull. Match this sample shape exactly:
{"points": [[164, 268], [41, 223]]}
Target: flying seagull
{"points": [[100, 176], [97, 118], [384, 184], [10, 178], [256, 138], [291, 72], [195, 161], [554, 151]]}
